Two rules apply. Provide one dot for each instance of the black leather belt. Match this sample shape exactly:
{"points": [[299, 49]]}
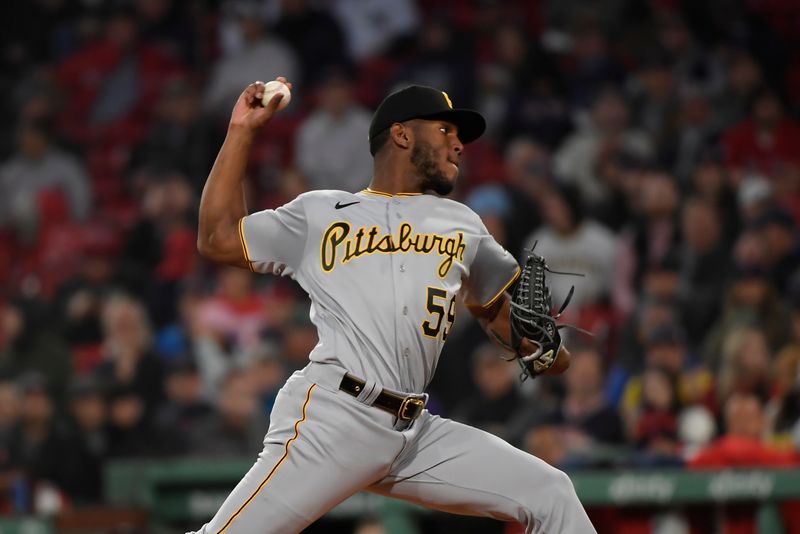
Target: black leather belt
{"points": [[404, 408]]}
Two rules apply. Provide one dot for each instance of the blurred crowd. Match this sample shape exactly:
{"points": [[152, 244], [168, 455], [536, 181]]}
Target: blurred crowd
{"points": [[652, 146]]}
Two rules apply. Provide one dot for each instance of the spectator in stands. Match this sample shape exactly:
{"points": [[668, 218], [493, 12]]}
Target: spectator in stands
{"points": [[666, 351], [164, 24], [498, 397], [635, 331], [577, 157], [560, 17], [112, 84], [743, 77], [783, 408], [268, 371], [654, 101], [755, 196], [694, 132], [710, 182], [779, 234], [79, 299], [528, 167], [160, 248], [745, 366], [585, 418], [175, 341], [38, 440], [662, 281], [216, 352], [10, 412], [179, 138], [493, 205], [511, 57], [574, 244], [237, 427], [260, 57], [621, 173], [130, 363], [768, 142], [591, 65], [653, 235], [440, 59], [330, 142], [235, 314], [453, 380], [794, 304], [38, 167], [749, 253], [655, 426], [750, 300], [743, 443], [87, 444], [27, 344], [314, 35], [538, 110], [372, 28], [131, 433], [184, 408], [694, 67], [704, 266], [299, 336]]}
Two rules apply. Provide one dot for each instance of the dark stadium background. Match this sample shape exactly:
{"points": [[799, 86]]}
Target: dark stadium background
{"points": [[653, 145]]}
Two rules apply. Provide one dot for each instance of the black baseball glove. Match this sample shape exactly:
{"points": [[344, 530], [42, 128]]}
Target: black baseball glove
{"points": [[531, 317]]}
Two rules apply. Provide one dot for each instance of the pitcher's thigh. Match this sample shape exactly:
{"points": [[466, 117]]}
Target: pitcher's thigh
{"points": [[309, 464], [460, 469]]}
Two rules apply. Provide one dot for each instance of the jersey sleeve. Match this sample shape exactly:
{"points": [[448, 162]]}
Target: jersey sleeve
{"points": [[274, 240], [493, 270]]}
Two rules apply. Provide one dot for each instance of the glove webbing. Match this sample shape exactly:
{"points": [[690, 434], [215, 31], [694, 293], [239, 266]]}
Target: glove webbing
{"points": [[533, 280]]}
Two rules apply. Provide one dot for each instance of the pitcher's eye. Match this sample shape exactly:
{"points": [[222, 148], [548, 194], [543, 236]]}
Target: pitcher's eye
{"points": [[444, 129]]}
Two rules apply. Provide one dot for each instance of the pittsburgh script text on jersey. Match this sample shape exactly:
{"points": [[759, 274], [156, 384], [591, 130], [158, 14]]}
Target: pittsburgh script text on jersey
{"points": [[367, 241]]}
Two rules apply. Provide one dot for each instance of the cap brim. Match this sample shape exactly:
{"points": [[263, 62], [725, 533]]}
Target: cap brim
{"points": [[471, 124]]}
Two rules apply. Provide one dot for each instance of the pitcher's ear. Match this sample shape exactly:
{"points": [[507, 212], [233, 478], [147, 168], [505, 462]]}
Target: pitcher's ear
{"points": [[401, 134]]}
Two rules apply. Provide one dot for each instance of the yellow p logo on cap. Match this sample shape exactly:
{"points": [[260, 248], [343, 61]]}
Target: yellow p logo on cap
{"points": [[447, 98]]}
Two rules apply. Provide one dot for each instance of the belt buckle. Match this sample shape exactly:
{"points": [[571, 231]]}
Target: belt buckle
{"points": [[418, 405]]}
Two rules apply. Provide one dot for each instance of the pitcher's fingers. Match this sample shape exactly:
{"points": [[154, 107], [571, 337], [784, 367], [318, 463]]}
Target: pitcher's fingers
{"points": [[283, 80], [272, 105], [250, 94], [528, 347]]}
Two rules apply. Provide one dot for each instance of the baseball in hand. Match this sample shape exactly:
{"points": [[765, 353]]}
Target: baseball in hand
{"points": [[274, 87]]}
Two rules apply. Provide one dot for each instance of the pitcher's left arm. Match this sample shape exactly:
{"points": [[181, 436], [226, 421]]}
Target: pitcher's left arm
{"points": [[495, 322]]}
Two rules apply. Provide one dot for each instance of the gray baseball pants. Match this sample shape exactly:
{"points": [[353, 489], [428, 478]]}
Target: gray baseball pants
{"points": [[324, 445]]}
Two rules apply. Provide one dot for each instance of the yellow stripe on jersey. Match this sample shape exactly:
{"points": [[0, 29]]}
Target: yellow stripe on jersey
{"points": [[499, 293], [244, 245], [373, 192], [381, 193], [277, 465]]}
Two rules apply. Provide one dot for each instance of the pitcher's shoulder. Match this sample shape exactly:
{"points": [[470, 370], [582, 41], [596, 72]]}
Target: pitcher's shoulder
{"points": [[327, 196], [453, 209]]}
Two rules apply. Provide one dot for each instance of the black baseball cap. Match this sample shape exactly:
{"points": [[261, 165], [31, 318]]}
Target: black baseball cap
{"points": [[422, 102]]}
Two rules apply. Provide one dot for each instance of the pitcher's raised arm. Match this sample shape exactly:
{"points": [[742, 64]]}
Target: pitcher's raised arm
{"points": [[222, 204]]}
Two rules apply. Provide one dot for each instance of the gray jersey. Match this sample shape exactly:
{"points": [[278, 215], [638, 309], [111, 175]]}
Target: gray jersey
{"points": [[382, 272]]}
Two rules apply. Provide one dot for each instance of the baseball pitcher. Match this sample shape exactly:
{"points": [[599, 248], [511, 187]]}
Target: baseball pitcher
{"points": [[383, 268]]}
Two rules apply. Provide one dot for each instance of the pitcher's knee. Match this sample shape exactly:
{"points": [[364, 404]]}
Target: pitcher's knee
{"points": [[562, 484], [553, 488]]}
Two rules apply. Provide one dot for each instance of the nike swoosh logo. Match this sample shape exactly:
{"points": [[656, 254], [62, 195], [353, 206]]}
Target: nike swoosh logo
{"points": [[339, 205]]}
